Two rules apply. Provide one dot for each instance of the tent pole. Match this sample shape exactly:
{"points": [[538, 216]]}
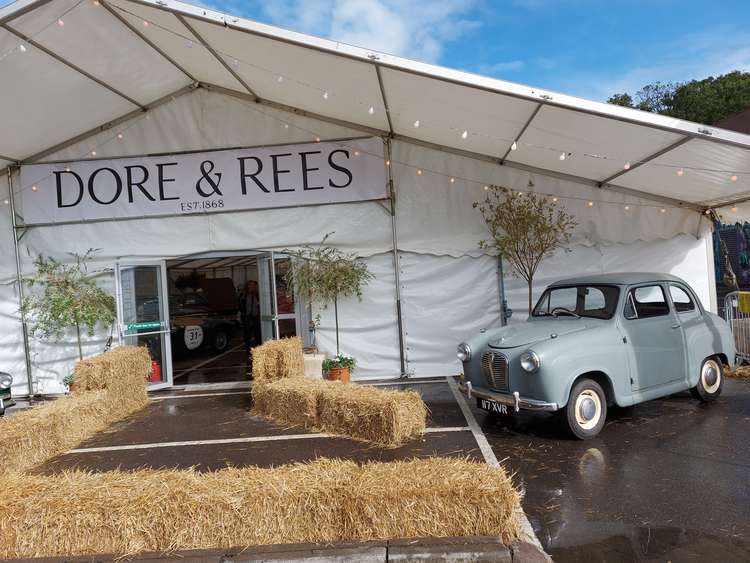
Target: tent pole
{"points": [[19, 280], [396, 258]]}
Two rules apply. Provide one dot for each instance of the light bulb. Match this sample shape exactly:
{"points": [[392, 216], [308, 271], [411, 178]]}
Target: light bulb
{"points": [[96, 3], [93, 153], [419, 172], [6, 202], [145, 23], [554, 199], [280, 79], [325, 95], [416, 124], [563, 156], [60, 23], [734, 210], [317, 139], [662, 210], [371, 111], [707, 212], [34, 188], [733, 178], [356, 153], [627, 165], [627, 208], [514, 146], [453, 180], [486, 188], [67, 169], [22, 48], [387, 162], [286, 126], [590, 204], [465, 134], [119, 135], [680, 172]]}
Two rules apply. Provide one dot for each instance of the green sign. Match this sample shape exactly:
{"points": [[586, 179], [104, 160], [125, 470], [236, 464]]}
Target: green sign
{"points": [[143, 326]]}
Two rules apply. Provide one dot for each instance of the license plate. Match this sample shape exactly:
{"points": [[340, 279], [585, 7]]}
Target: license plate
{"points": [[492, 406]]}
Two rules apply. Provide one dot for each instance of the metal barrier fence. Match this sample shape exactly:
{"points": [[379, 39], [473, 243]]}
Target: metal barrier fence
{"points": [[739, 323]]}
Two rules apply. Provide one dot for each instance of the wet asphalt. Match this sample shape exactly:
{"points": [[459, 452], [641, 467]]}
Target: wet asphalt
{"points": [[667, 480]]}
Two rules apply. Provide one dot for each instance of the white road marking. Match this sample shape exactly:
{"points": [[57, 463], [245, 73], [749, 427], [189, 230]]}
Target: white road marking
{"points": [[190, 396], [484, 445], [199, 443], [236, 441], [208, 361]]}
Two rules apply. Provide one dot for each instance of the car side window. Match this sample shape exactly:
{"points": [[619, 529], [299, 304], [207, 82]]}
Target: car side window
{"points": [[681, 299], [645, 302]]}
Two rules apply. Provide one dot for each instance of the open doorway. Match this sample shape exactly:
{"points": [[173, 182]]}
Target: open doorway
{"points": [[220, 306]]}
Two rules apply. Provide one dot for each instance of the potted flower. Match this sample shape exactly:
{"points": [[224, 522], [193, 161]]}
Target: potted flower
{"points": [[339, 367]]}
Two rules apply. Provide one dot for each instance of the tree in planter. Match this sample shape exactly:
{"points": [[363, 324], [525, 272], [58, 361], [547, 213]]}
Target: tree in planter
{"points": [[525, 228], [69, 297], [322, 274]]}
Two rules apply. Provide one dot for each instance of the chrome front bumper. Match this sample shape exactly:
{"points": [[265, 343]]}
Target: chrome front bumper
{"points": [[513, 400]]}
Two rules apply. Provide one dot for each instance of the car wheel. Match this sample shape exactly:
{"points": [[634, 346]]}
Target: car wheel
{"points": [[710, 381], [221, 341], [586, 410]]}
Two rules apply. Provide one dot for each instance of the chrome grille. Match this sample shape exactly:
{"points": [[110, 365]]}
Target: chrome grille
{"points": [[495, 370]]}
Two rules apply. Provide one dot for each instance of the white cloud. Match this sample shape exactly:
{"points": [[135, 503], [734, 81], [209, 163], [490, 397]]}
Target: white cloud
{"points": [[407, 28], [692, 56]]}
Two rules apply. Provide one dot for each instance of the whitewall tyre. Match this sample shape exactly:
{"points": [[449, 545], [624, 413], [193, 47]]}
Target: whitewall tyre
{"points": [[710, 381], [586, 410]]}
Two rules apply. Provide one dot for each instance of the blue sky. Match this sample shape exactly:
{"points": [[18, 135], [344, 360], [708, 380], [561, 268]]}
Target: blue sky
{"points": [[590, 48]]}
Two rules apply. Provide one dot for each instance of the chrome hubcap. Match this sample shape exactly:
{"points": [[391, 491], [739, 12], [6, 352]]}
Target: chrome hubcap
{"points": [[711, 376], [588, 409]]}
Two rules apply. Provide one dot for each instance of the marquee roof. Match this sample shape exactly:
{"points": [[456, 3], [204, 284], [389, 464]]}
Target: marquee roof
{"points": [[73, 68]]}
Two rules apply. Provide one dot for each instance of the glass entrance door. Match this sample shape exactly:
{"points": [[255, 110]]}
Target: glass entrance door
{"points": [[279, 311], [143, 315]]}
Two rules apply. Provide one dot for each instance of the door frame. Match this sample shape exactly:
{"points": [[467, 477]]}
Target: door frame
{"points": [[165, 331]]}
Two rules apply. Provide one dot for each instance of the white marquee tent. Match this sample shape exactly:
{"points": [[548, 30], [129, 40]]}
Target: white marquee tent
{"points": [[84, 80]]}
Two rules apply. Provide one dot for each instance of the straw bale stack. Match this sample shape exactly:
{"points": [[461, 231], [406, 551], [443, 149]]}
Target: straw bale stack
{"points": [[378, 416], [278, 359], [33, 436], [125, 513]]}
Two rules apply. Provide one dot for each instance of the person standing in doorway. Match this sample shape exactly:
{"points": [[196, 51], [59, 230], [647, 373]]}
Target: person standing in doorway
{"points": [[252, 314]]}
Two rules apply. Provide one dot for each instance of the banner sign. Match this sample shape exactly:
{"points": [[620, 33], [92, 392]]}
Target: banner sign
{"points": [[205, 182]]}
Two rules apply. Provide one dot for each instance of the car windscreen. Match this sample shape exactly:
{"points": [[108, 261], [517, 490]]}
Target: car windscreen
{"points": [[592, 301]]}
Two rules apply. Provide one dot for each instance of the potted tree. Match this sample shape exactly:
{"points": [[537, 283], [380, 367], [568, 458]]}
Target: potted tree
{"points": [[525, 228], [323, 274], [68, 297], [339, 367]]}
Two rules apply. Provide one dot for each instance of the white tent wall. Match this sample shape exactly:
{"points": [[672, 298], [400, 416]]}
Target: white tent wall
{"points": [[449, 286]]}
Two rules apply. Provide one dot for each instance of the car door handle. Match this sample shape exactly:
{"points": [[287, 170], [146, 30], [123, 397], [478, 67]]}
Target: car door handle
{"points": [[678, 325]]}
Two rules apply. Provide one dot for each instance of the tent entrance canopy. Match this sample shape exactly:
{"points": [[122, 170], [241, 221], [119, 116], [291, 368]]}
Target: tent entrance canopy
{"points": [[75, 68]]}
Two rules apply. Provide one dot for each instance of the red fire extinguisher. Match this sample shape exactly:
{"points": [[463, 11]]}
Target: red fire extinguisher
{"points": [[155, 372]]}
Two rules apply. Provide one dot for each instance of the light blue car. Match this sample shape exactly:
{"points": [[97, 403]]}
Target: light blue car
{"points": [[596, 341]]}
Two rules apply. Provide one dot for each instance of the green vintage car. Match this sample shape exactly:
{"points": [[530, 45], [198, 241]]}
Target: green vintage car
{"points": [[6, 380], [596, 341]]}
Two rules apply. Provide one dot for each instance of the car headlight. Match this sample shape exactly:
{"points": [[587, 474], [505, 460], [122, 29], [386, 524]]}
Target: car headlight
{"points": [[463, 352], [6, 380], [530, 361]]}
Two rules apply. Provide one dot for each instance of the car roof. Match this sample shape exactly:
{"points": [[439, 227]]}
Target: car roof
{"points": [[620, 278]]}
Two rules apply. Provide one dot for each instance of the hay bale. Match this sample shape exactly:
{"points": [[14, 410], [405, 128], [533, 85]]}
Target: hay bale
{"points": [[278, 359], [129, 363], [382, 417], [288, 401], [125, 513], [739, 372], [31, 437]]}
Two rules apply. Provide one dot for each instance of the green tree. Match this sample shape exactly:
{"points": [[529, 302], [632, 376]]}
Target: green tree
{"points": [[525, 228], [322, 274], [67, 297], [703, 101]]}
